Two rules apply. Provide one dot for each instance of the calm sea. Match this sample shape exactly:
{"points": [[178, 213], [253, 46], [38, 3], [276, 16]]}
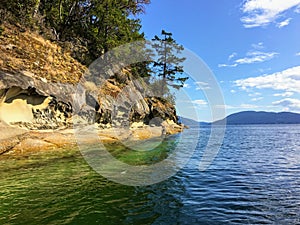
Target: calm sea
{"points": [[255, 179]]}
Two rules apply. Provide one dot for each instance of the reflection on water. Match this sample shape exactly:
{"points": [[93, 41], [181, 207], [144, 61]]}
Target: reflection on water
{"points": [[254, 180]]}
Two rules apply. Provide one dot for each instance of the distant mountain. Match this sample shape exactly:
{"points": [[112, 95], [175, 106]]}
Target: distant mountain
{"points": [[192, 123], [252, 117]]}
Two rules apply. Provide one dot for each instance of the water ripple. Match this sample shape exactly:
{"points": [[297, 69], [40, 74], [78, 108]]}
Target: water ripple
{"points": [[255, 179]]}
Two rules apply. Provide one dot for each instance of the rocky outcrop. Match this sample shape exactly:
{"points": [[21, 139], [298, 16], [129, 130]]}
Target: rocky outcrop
{"points": [[35, 103], [43, 96]]}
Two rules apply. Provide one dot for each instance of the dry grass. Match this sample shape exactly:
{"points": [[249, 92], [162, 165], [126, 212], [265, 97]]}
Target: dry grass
{"points": [[23, 50]]}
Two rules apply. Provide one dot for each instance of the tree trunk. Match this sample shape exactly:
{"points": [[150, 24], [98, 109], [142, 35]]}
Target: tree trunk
{"points": [[164, 80], [36, 8]]}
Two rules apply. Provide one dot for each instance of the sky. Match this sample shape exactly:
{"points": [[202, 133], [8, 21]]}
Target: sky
{"points": [[251, 47]]}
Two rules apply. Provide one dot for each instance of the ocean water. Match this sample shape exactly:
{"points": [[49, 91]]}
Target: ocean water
{"points": [[255, 179]]}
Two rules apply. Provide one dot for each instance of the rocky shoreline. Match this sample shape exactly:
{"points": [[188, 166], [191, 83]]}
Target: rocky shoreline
{"points": [[16, 141], [36, 115], [46, 95]]}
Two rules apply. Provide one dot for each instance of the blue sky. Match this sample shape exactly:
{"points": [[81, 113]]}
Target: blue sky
{"points": [[252, 47]]}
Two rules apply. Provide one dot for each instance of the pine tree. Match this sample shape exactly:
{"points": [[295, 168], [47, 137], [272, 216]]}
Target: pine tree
{"points": [[168, 65]]}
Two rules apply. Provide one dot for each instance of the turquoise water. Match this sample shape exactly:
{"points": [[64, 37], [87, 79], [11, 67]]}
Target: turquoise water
{"points": [[255, 179]]}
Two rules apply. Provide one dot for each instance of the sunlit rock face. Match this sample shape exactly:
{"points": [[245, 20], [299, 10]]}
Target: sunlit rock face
{"points": [[31, 109], [36, 104]]}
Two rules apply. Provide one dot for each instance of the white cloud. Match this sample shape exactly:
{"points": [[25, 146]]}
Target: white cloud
{"points": [[228, 65], [298, 54], [287, 80], [201, 83], [256, 56], [263, 12], [199, 102], [258, 46], [257, 99], [284, 23], [253, 56], [242, 106], [255, 94], [186, 86], [232, 56], [202, 86], [285, 94], [233, 91], [248, 106], [264, 70], [289, 104]]}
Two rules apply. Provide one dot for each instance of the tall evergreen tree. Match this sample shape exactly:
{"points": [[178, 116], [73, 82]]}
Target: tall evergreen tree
{"points": [[110, 25], [168, 65]]}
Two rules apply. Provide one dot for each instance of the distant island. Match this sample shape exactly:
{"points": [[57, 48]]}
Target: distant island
{"points": [[249, 117], [191, 123], [253, 117]]}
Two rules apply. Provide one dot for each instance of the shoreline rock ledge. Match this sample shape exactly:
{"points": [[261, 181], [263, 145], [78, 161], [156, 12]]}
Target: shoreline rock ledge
{"points": [[36, 114]]}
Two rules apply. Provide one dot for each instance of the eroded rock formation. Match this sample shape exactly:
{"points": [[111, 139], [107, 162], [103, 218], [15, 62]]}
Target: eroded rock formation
{"points": [[34, 103], [37, 104]]}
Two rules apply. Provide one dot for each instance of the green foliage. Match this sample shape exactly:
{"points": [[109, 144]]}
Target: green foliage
{"points": [[168, 65], [22, 10], [110, 26], [155, 86], [98, 25], [95, 27]]}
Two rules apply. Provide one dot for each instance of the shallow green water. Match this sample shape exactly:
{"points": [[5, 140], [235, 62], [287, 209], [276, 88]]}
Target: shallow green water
{"points": [[61, 188], [255, 179]]}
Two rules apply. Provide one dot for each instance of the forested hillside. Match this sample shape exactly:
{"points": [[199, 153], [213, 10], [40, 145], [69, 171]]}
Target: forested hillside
{"points": [[87, 27]]}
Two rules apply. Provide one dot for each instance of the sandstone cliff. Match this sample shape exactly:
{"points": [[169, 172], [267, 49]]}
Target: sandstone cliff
{"points": [[42, 88]]}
